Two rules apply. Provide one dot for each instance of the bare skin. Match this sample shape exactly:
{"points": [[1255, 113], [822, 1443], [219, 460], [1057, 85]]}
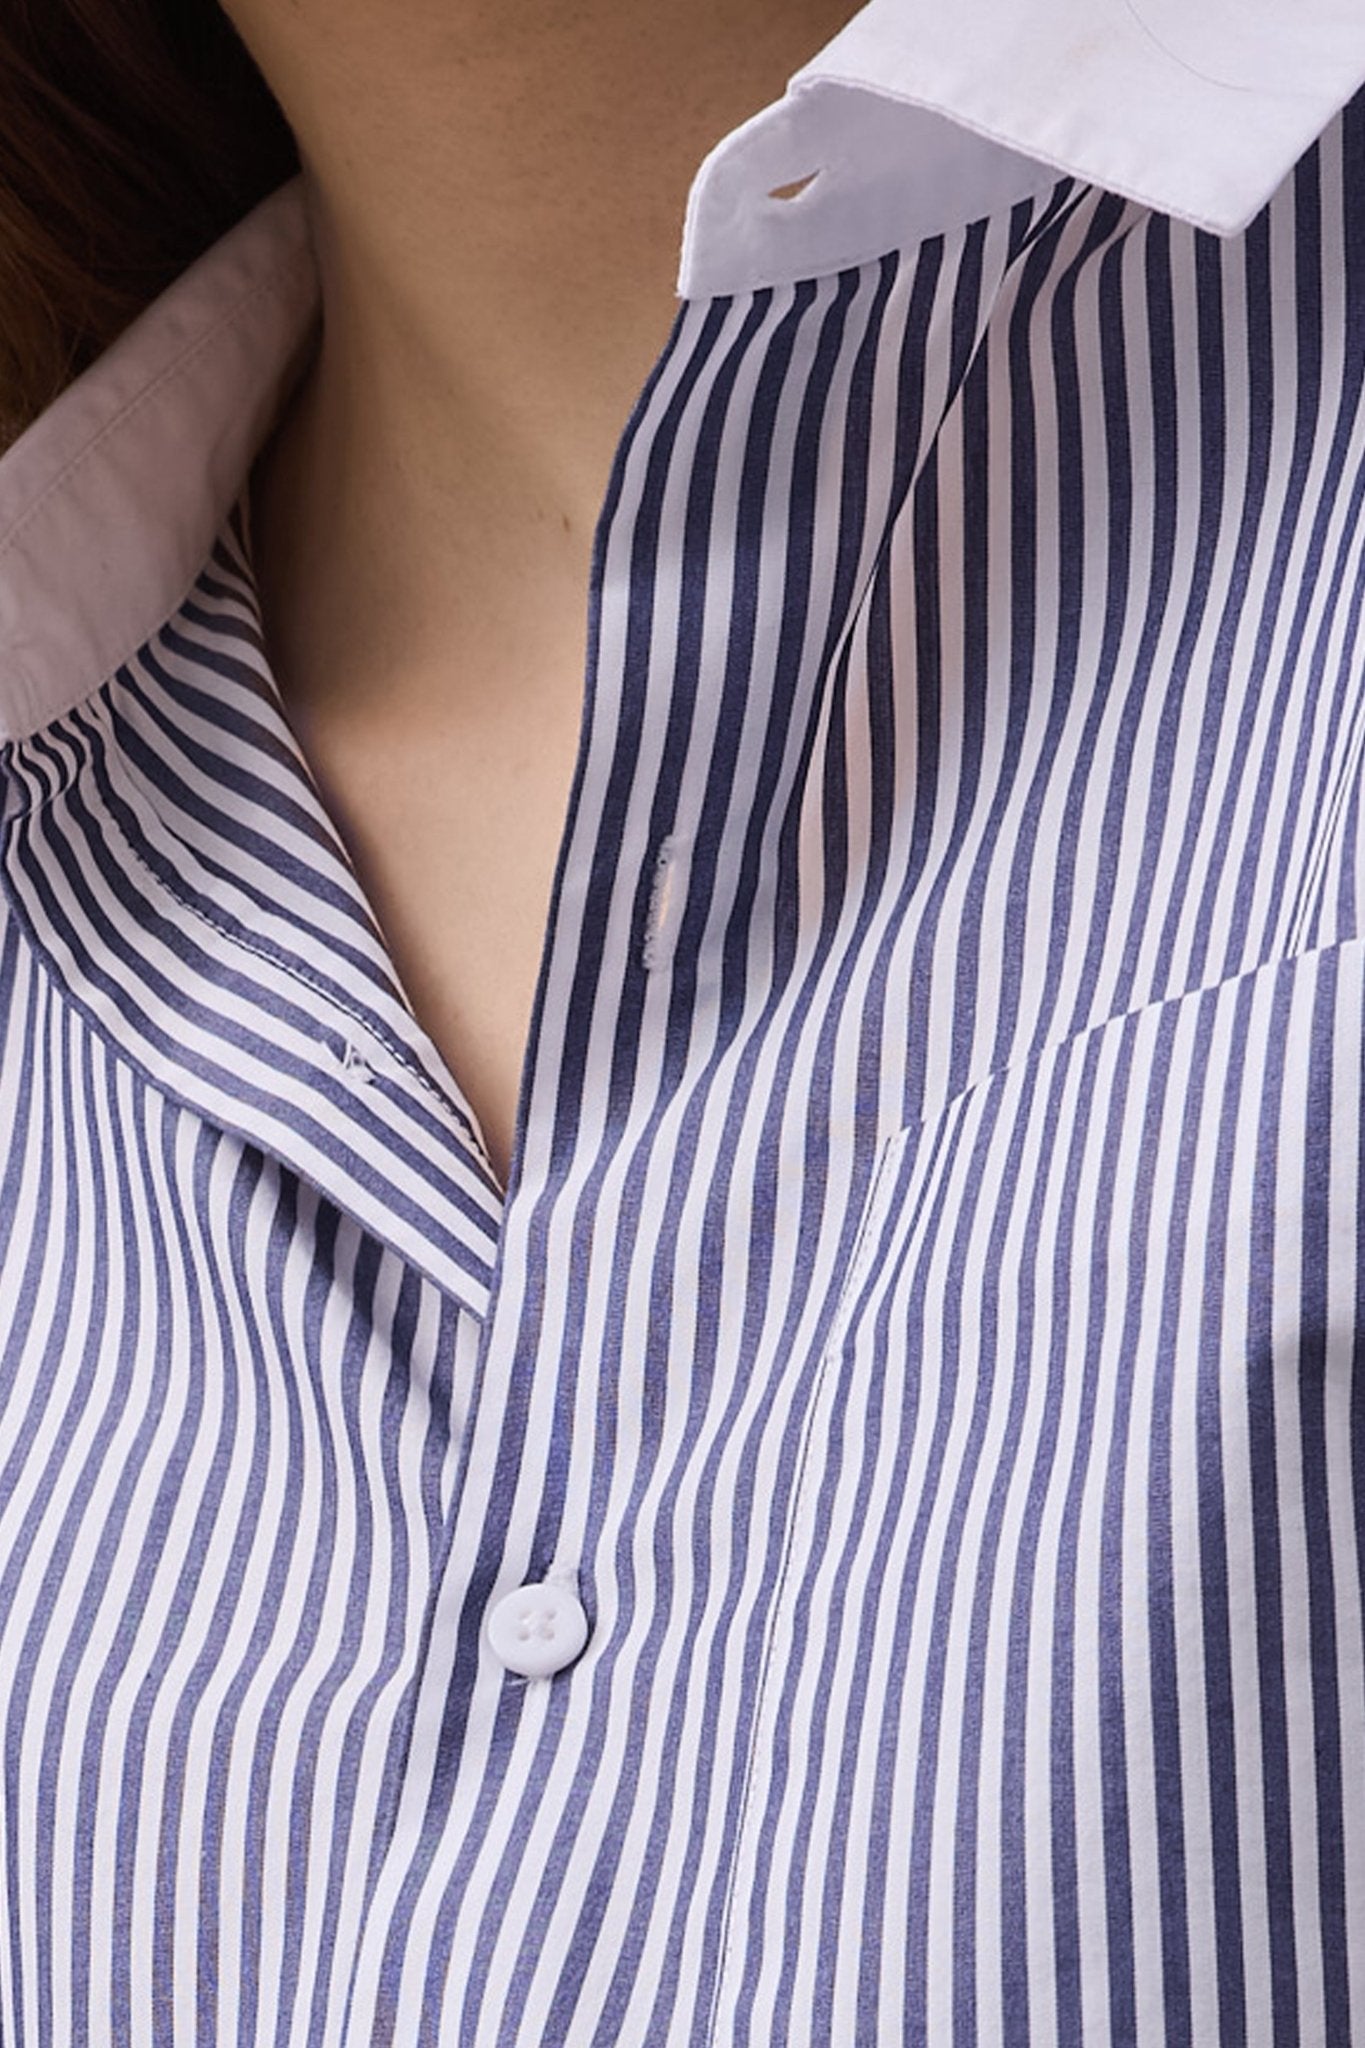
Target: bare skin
{"points": [[496, 190]]}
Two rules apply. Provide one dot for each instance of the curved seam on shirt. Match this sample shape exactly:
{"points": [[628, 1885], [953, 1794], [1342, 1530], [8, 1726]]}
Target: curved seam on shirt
{"points": [[115, 1050], [259, 951], [1205, 77], [874, 1203], [890, 1151], [1072, 1041], [1276, 963], [1045, 218]]}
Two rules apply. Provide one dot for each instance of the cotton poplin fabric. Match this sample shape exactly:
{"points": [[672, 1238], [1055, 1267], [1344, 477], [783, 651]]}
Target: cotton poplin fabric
{"points": [[921, 1345]]}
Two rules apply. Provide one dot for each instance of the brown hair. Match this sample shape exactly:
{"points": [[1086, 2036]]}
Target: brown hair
{"points": [[133, 133]]}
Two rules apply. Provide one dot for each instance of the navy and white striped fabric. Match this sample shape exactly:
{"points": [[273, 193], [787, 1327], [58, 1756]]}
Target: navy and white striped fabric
{"points": [[927, 1317]]}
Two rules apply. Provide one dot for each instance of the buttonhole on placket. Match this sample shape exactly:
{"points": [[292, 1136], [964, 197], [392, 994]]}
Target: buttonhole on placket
{"points": [[666, 896]]}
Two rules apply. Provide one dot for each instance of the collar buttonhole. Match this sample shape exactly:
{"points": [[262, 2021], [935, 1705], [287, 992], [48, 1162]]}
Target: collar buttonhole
{"points": [[797, 189]]}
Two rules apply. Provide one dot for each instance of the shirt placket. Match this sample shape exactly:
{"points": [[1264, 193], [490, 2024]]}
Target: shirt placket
{"points": [[493, 1709]]}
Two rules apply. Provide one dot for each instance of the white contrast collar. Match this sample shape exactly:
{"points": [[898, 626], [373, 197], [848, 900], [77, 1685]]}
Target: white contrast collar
{"points": [[919, 116]]}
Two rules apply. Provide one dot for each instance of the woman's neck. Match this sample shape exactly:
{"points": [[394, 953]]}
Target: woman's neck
{"points": [[497, 191]]}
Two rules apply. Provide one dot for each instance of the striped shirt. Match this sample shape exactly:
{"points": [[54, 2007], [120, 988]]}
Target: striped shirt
{"points": [[863, 1541]]}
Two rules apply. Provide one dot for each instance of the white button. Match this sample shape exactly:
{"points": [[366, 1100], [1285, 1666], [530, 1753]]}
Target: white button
{"points": [[538, 1629]]}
